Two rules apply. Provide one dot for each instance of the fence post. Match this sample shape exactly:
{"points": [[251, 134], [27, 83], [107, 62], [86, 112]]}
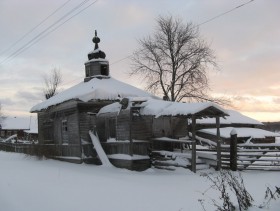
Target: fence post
{"points": [[233, 150], [130, 133], [193, 145], [219, 151]]}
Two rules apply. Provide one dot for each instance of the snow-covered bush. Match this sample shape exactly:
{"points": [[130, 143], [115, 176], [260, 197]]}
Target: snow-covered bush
{"points": [[269, 195], [228, 183]]}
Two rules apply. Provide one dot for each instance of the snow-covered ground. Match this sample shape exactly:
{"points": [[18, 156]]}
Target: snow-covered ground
{"points": [[28, 184]]}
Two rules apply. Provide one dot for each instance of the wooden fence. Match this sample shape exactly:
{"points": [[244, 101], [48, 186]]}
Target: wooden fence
{"points": [[53, 150], [17, 147], [234, 156], [244, 156], [164, 153], [253, 157]]}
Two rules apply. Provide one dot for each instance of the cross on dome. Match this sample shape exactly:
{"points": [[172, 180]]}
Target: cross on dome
{"points": [[96, 53], [96, 40], [97, 65]]}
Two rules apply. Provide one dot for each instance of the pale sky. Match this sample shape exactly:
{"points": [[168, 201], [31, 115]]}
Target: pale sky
{"points": [[246, 42]]}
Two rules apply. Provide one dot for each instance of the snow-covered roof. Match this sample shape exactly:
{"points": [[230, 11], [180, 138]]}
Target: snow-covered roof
{"points": [[20, 123], [241, 132], [98, 88], [32, 130], [234, 117], [166, 108], [100, 60]]}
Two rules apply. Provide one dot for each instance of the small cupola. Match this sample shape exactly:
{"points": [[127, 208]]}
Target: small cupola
{"points": [[97, 65]]}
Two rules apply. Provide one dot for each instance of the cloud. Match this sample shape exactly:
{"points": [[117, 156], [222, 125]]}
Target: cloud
{"points": [[276, 100], [29, 95], [264, 116], [246, 42], [258, 75], [256, 104], [6, 101]]}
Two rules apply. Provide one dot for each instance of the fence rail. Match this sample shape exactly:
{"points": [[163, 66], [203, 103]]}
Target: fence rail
{"points": [[244, 156], [234, 156], [71, 150]]}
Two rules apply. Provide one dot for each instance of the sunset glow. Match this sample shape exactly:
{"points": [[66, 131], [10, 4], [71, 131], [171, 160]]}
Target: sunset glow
{"points": [[246, 42]]}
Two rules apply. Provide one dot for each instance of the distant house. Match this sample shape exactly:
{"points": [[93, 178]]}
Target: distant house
{"points": [[272, 126], [26, 128], [234, 119], [245, 134], [247, 129]]}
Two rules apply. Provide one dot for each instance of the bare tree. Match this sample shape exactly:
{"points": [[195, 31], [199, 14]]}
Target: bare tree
{"points": [[52, 82], [175, 60]]}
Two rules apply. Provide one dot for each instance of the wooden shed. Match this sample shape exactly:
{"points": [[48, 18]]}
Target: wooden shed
{"points": [[146, 119]]}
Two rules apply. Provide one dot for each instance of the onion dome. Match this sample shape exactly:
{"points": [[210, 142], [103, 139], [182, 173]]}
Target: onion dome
{"points": [[96, 53]]}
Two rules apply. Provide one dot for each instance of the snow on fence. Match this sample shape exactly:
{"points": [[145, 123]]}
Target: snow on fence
{"points": [[234, 156], [255, 157], [10, 138], [164, 157], [243, 156]]}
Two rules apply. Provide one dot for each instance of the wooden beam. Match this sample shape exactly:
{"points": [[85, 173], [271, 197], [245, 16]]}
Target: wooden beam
{"points": [[130, 133], [193, 145], [219, 163], [233, 150]]}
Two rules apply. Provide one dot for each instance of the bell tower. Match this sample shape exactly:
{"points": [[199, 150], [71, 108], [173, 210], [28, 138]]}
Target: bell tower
{"points": [[97, 65]]}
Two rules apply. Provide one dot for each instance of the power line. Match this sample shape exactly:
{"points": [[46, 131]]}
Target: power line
{"points": [[207, 21], [25, 46], [35, 27], [39, 38], [120, 60], [45, 32], [224, 13], [69, 82]]}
